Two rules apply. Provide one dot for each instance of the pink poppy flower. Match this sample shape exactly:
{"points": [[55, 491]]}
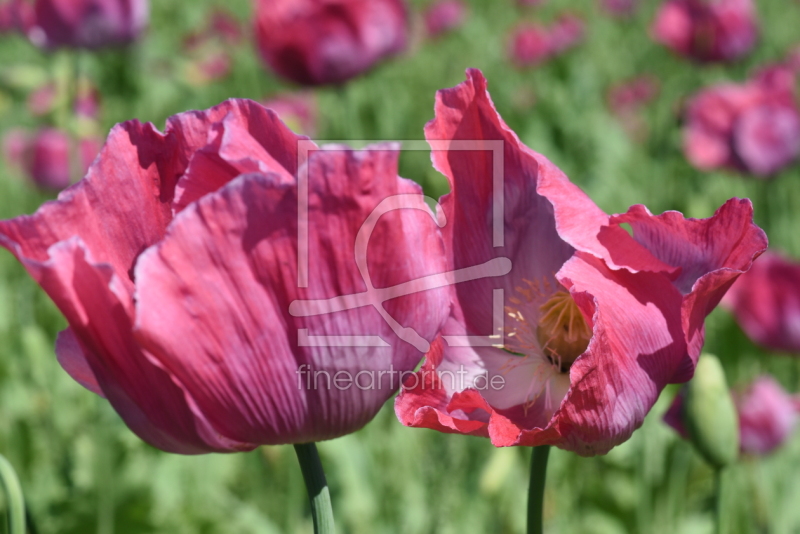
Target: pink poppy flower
{"points": [[590, 324], [766, 303], [175, 262], [297, 110], [444, 16], [15, 15], [314, 42], [767, 416], [627, 98], [88, 23], [15, 144], [49, 159], [752, 127], [532, 44], [620, 8], [707, 30]]}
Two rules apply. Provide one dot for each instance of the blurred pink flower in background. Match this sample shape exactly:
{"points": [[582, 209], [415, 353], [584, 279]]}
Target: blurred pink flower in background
{"points": [[48, 159], [15, 144], [766, 302], [315, 42], [752, 127], [42, 100], [532, 44], [16, 16], [707, 30], [209, 49], [620, 8], [297, 110], [767, 415], [88, 23], [443, 16], [627, 98]]}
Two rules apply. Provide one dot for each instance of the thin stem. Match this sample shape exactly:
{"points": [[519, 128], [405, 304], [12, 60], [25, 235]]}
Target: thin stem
{"points": [[536, 488], [318, 494], [16, 503], [718, 500]]}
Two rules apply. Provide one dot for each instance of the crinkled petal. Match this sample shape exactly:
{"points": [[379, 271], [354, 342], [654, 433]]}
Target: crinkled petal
{"points": [[238, 137], [214, 299]]}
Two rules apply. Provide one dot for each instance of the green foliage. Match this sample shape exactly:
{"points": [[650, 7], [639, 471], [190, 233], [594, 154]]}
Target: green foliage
{"points": [[83, 471]]}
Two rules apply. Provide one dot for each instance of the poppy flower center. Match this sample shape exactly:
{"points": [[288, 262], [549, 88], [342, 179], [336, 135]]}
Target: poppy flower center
{"points": [[562, 331]]}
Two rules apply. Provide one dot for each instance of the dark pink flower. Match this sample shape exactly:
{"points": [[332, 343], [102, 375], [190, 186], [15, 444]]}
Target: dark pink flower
{"points": [[15, 144], [444, 15], [631, 94], [532, 44], [42, 100], [753, 127], [49, 159], [297, 110], [590, 324], [316, 42], [88, 23], [707, 30], [766, 303], [620, 8], [767, 416], [176, 259], [16, 15]]}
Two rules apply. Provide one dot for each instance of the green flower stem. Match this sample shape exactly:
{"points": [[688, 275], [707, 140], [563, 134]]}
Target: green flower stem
{"points": [[16, 503], [317, 486], [536, 488]]}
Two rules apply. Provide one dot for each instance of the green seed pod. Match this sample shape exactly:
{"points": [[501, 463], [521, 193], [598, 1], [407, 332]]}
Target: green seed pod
{"points": [[709, 414]]}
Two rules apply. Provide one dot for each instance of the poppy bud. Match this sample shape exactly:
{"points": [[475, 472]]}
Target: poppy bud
{"points": [[709, 414]]}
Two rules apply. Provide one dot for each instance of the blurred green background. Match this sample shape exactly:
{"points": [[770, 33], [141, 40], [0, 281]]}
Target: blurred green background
{"points": [[82, 470]]}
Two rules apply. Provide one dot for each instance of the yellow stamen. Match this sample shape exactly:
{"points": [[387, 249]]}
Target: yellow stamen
{"points": [[562, 331]]}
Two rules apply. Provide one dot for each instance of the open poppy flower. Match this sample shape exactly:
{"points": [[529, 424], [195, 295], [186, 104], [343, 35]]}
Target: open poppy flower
{"points": [[766, 303], [574, 345], [88, 23], [313, 42], [752, 127], [707, 30], [175, 262]]}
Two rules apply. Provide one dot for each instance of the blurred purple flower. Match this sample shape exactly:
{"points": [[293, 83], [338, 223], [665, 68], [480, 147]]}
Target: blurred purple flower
{"points": [[620, 8], [88, 23], [767, 416], [753, 127], [314, 42], [626, 99], [532, 44], [48, 160], [15, 15], [443, 16], [707, 30], [766, 302]]}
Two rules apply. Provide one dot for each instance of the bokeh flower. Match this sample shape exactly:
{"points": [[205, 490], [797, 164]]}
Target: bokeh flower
{"points": [[626, 100], [88, 23], [176, 259], [752, 127], [531, 44], [620, 8], [314, 42], [766, 303], [296, 110], [443, 16], [707, 30], [595, 322]]}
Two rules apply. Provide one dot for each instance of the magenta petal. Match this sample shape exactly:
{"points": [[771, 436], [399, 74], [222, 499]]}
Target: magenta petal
{"points": [[466, 114], [147, 397], [767, 138], [214, 299], [237, 136], [767, 416], [73, 361]]}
